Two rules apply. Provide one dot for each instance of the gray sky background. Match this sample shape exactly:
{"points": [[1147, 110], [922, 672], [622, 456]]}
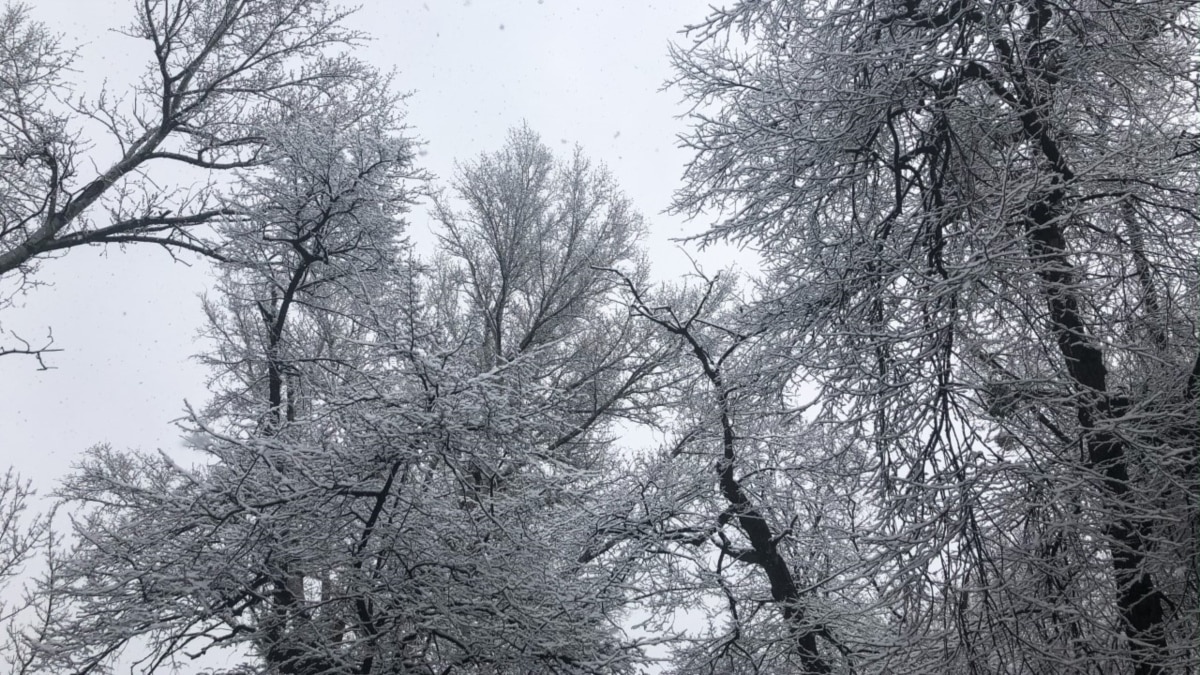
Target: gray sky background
{"points": [[579, 71]]}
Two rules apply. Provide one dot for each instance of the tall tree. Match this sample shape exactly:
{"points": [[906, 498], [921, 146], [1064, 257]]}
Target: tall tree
{"points": [[380, 495], [978, 224], [236, 540]]}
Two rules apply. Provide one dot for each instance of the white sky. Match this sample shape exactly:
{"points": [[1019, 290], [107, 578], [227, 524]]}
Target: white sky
{"points": [[578, 71]]}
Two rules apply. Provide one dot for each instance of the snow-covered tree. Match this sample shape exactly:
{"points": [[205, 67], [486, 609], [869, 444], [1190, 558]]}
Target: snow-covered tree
{"points": [[524, 274], [153, 164], [979, 226], [744, 523], [318, 243], [382, 492], [23, 536]]}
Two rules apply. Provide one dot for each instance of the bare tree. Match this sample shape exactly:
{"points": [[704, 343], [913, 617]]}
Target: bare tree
{"points": [[22, 537], [379, 497], [747, 516], [712, 354], [220, 74], [525, 272], [531, 238], [319, 240], [979, 226]]}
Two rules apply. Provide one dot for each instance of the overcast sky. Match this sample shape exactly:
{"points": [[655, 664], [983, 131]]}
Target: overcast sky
{"points": [[587, 72]]}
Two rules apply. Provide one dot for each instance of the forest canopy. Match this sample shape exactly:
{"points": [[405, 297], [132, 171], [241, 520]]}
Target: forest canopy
{"points": [[950, 425]]}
